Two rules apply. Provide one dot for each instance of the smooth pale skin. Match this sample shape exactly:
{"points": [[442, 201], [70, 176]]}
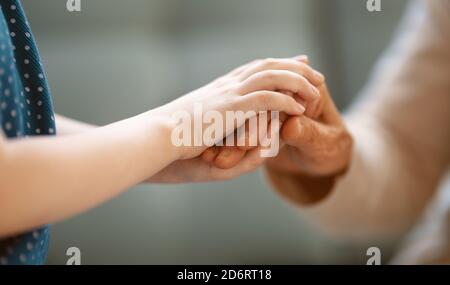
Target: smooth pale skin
{"points": [[47, 179], [317, 148]]}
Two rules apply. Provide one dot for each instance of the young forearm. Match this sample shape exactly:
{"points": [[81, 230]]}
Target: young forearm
{"points": [[68, 126], [44, 180]]}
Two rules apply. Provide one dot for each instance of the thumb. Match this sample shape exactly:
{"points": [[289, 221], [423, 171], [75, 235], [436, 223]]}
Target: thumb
{"points": [[321, 149], [301, 131]]}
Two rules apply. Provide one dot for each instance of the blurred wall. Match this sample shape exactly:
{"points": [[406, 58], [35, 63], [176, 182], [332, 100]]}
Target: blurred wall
{"points": [[118, 58]]}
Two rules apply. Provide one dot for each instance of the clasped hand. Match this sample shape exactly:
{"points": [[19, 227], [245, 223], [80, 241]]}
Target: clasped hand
{"points": [[314, 139]]}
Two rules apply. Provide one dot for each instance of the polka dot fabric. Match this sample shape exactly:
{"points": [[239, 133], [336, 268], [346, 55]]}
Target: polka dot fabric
{"points": [[25, 110]]}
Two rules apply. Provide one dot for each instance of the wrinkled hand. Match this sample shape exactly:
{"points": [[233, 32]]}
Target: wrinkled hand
{"points": [[316, 147]]}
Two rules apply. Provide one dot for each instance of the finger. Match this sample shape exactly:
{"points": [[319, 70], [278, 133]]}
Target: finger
{"points": [[288, 93], [251, 160], [242, 68], [316, 147], [228, 157], [244, 140], [254, 135], [315, 110], [210, 153], [313, 138], [330, 114], [302, 58], [319, 107], [260, 101], [273, 80], [283, 118], [312, 108], [237, 71], [252, 129], [311, 99], [296, 66], [300, 131]]}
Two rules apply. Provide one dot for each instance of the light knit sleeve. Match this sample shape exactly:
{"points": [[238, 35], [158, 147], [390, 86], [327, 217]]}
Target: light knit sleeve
{"points": [[401, 129]]}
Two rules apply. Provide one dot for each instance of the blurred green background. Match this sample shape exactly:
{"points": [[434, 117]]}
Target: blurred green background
{"points": [[118, 58]]}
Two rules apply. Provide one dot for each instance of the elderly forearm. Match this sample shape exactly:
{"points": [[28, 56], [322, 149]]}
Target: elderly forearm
{"points": [[384, 191], [401, 136]]}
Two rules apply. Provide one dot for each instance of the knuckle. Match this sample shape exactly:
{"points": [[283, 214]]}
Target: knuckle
{"points": [[254, 78], [346, 140], [269, 75], [221, 81], [298, 64], [303, 84], [302, 81], [264, 97], [257, 61], [232, 87], [270, 63], [307, 71], [267, 97], [304, 66], [309, 133], [239, 102], [239, 88], [260, 101], [316, 99]]}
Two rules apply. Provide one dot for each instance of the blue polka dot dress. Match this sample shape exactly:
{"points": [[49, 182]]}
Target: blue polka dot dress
{"points": [[25, 110]]}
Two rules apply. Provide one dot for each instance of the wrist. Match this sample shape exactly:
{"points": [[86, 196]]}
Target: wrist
{"points": [[160, 126], [300, 189]]}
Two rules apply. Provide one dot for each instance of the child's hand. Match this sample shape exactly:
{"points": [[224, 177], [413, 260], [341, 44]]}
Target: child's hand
{"points": [[198, 170], [252, 87], [226, 157]]}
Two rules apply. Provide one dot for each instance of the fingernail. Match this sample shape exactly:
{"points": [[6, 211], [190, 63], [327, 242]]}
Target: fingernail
{"points": [[315, 90], [319, 75], [302, 57], [300, 108]]}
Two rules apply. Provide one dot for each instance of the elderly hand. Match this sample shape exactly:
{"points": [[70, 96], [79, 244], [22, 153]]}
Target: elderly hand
{"points": [[316, 147]]}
